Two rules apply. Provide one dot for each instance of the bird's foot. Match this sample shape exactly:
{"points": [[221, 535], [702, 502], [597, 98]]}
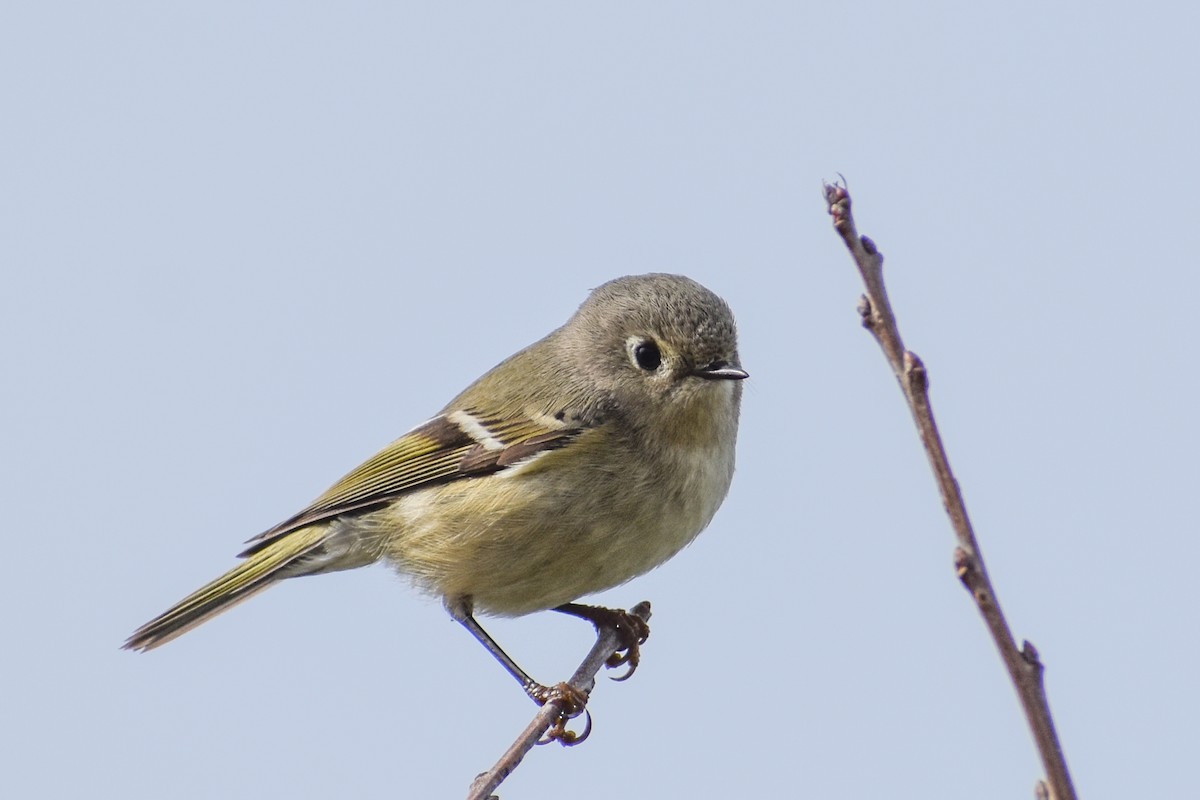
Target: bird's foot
{"points": [[571, 702], [632, 629]]}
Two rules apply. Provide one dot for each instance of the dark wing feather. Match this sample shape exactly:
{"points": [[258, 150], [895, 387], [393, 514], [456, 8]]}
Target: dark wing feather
{"points": [[441, 450]]}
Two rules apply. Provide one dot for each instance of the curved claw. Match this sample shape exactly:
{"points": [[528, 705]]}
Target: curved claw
{"points": [[636, 632], [626, 675], [558, 731], [630, 655]]}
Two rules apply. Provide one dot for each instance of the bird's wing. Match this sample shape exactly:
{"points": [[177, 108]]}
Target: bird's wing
{"points": [[451, 446]]}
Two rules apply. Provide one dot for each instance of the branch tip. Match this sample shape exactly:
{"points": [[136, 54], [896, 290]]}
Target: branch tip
{"points": [[838, 201], [836, 193], [1024, 666]]}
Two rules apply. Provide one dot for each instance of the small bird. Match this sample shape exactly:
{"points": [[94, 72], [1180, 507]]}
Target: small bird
{"points": [[580, 462]]}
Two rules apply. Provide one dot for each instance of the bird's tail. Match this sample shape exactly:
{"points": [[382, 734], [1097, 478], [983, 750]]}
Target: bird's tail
{"points": [[282, 558]]}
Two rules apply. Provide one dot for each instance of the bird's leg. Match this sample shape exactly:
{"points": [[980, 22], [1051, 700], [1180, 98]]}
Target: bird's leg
{"points": [[571, 700], [633, 631]]}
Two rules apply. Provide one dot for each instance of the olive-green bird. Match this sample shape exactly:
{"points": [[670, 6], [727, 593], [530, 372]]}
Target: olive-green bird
{"points": [[583, 461]]}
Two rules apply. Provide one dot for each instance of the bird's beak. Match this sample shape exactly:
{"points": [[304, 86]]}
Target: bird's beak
{"points": [[721, 371]]}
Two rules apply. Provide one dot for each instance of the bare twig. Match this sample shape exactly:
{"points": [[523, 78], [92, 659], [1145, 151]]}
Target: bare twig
{"points": [[1024, 667], [608, 641]]}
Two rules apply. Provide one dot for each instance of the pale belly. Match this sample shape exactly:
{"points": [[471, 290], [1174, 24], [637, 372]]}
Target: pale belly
{"points": [[518, 544]]}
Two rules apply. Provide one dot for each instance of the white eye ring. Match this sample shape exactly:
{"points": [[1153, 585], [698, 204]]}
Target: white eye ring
{"points": [[644, 353]]}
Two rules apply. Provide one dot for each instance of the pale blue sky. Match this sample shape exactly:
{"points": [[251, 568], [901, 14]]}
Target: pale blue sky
{"points": [[244, 245]]}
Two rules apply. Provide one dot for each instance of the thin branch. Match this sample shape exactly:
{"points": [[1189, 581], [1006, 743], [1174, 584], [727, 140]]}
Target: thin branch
{"points": [[1024, 666], [550, 715]]}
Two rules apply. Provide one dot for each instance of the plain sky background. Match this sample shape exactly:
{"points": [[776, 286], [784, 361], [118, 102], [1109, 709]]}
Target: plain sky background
{"points": [[245, 245]]}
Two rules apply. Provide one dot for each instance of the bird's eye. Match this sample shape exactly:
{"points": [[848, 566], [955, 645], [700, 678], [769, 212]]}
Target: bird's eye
{"points": [[646, 355]]}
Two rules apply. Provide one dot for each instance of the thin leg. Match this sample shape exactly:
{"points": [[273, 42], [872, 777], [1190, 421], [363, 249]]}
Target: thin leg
{"points": [[633, 630], [573, 700]]}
